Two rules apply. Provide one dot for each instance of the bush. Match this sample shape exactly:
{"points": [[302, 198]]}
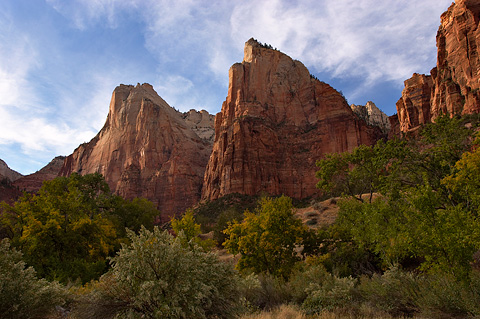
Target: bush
{"points": [[22, 294], [302, 279], [443, 296], [395, 292], [264, 291], [332, 294], [158, 276]]}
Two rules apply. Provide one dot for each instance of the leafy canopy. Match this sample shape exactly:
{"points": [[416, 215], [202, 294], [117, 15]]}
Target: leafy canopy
{"points": [[72, 225], [427, 208], [267, 240]]}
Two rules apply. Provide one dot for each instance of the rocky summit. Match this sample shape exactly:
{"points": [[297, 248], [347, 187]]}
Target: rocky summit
{"points": [[8, 173], [275, 123], [148, 149], [453, 85]]}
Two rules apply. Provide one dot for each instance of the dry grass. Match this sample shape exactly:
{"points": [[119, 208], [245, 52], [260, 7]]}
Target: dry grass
{"points": [[325, 213], [293, 312], [283, 312]]}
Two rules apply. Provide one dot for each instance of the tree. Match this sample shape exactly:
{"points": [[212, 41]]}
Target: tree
{"points": [[72, 225], [157, 276], [428, 208], [267, 240], [22, 294], [190, 230]]}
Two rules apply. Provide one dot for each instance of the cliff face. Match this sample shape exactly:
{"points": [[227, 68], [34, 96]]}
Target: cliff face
{"points": [[453, 86], [277, 120], [145, 149]]}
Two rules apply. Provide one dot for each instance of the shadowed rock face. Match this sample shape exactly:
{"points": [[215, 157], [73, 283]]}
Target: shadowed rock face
{"points": [[33, 182], [146, 149], [453, 86], [276, 122]]}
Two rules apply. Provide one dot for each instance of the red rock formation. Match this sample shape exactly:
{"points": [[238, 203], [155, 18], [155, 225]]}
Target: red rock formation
{"points": [[33, 182], [453, 87], [145, 149], [413, 108], [276, 122]]}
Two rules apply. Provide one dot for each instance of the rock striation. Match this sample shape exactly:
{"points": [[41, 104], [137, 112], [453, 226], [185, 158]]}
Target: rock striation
{"points": [[33, 182], [276, 121], [147, 149], [372, 115], [7, 172], [453, 85]]}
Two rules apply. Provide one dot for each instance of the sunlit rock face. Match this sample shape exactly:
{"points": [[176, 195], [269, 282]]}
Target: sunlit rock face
{"points": [[275, 123], [453, 86], [147, 149], [372, 115]]}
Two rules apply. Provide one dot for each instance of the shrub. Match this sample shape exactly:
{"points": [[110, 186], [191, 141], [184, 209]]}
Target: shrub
{"points": [[264, 291], [395, 292], [443, 296], [333, 293], [303, 277], [22, 294], [158, 276]]}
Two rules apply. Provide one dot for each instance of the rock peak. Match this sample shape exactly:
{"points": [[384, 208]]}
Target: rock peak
{"points": [[254, 48], [274, 124], [146, 149]]}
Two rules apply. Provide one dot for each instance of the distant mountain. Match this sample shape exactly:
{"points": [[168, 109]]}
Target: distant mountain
{"points": [[33, 182], [7, 172]]}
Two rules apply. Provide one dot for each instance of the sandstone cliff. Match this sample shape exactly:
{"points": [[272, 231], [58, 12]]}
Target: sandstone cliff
{"points": [[277, 120], [145, 149], [453, 86], [33, 182]]}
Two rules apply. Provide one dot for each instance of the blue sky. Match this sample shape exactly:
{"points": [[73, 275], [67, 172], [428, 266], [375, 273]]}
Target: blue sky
{"points": [[60, 60]]}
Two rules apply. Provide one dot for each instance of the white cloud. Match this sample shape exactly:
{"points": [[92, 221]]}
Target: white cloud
{"points": [[376, 40]]}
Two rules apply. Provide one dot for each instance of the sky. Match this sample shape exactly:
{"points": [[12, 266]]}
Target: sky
{"points": [[60, 60]]}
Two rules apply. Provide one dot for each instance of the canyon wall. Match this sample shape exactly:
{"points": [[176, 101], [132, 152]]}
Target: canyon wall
{"points": [[453, 85], [148, 149]]}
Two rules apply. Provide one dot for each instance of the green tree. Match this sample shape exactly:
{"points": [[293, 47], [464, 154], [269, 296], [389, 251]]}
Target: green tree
{"points": [[22, 294], [428, 198], [157, 276], [71, 226], [267, 240], [190, 230]]}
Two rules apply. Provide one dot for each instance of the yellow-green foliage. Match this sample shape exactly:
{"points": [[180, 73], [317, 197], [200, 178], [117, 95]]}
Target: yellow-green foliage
{"points": [[72, 225], [267, 239], [190, 230]]}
